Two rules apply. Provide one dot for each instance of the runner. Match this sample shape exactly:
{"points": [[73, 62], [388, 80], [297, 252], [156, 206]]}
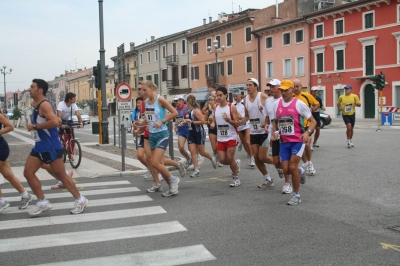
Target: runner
{"points": [[212, 132], [225, 122], [254, 112], [181, 129], [48, 150], [289, 113], [347, 104], [244, 129], [316, 115], [313, 104], [197, 135], [5, 168]]}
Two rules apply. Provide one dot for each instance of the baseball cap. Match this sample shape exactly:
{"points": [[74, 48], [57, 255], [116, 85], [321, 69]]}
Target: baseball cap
{"points": [[286, 84], [236, 92], [177, 97], [348, 87], [274, 82], [314, 88], [255, 81]]}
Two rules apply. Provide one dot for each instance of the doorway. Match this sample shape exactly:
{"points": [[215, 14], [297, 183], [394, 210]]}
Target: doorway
{"points": [[339, 92], [369, 99]]}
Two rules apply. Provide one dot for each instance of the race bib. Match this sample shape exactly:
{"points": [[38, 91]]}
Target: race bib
{"points": [[179, 119], [348, 108], [223, 130], [286, 126], [255, 124], [35, 136], [150, 115]]}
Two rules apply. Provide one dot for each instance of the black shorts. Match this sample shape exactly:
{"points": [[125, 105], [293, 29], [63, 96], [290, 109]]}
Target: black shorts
{"points": [[141, 141], [259, 139], [212, 130], [275, 146], [48, 156], [317, 118], [350, 119], [243, 131], [4, 149]]}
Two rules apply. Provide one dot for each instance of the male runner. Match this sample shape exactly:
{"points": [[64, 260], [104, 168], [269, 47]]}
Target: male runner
{"points": [[182, 129]]}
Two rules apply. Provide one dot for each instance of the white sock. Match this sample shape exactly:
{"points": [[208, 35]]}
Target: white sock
{"points": [[24, 194], [172, 178], [301, 170], [309, 163], [268, 177], [2, 200]]}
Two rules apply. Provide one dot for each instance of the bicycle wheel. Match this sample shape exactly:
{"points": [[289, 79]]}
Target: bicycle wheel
{"points": [[76, 154]]}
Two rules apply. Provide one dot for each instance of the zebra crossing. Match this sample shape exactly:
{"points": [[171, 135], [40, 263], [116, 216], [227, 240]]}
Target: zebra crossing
{"points": [[117, 216]]}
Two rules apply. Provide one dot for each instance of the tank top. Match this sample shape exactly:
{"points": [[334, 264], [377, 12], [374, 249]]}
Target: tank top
{"points": [[46, 139], [193, 127], [240, 109], [155, 113], [256, 114], [182, 112], [289, 121], [225, 131]]}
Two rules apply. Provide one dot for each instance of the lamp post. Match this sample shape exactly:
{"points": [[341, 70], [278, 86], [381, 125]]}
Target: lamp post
{"points": [[217, 50], [91, 82], [4, 72]]}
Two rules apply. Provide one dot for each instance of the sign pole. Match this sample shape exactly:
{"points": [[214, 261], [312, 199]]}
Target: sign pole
{"points": [[380, 111]]}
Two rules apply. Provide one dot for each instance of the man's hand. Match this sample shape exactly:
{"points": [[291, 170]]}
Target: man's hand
{"points": [[81, 125], [305, 136]]}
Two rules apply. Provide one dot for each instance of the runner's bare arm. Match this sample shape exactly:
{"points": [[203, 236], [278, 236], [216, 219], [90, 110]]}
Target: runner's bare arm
{"points": [[46, 110]]}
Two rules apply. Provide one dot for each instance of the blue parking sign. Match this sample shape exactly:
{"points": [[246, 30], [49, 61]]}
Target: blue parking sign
{"points": [[387, 119]]}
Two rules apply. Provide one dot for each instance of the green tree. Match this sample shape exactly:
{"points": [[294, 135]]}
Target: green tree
{"points": [[16, 113]]}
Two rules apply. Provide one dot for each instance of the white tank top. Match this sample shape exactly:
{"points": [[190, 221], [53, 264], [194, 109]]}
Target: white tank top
{"points": [[225, 131], [240, 109], [256, 114]]}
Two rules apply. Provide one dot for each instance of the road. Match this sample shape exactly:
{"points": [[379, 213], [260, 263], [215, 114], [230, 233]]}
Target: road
{"points": [[344, 219]]}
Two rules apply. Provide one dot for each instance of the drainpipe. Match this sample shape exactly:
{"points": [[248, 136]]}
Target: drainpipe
{"points": [[159, 67], [188, 64], [258, 58]]}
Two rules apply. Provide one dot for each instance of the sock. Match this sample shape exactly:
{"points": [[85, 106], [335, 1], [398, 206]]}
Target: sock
{"points": [[197, 169], [296, 194], [2, 200], [172, 178], [301, 170], [42, 200], [287, 183], [268, 177], [309, 163], [235, 177], [24, 194]]}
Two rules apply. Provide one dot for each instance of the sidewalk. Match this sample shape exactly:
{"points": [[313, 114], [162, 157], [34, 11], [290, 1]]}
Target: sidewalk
{"points": [[361, 123]]}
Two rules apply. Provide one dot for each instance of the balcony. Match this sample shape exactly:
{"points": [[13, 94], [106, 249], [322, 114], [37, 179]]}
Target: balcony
{"points": [[172, 60], [172, 83]]}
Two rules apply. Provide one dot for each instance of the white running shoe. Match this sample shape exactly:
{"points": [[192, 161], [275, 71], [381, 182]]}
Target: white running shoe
{"points": [[182, 170], [236, 183], [267, 184], [214, 163], [240, 147], [306, 168], [280, 172], [4, 205], [348, 145], [351, 143], [196, 173], [80, 205], [58, 185], [41, 207], [155, 188], [147, 174], [287, 188], [311, 169], [173, 188], [25, 201]]}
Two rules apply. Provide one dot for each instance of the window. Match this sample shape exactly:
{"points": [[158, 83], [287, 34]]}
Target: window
{"points": [[286, 38], [369, 60], [320, 62], [339, 59], [148, 57], [148, 77], [221, 68], [287, 70], [299, 36], [397, 36], [183, 46], [248, 34], [140, 78], [218, 38], [319, 31], [184, 74], [195, 73], [156, 80], [164, 52], [195, 48], [229, 39], [230, 67], [175, 76], [156, 55], [369, 20], [268, 42], [174, 48], [164, 74], [134, 63], [339, 26], [208, 43], [249, 64], [127, 68], [300, 66], [270, 69], [141, 59]]}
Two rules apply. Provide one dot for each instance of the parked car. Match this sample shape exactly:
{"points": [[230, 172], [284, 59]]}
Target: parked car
{"points": [[325, 119], [10, 114], [85, 118]]}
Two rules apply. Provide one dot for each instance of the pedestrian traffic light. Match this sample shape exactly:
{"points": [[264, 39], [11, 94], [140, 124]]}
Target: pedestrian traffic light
{"points": [[97, 75]]}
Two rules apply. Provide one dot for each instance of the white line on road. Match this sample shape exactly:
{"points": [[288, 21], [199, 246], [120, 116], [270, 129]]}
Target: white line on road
{"points": [[165, 257], [82, 237], [81, 218]]}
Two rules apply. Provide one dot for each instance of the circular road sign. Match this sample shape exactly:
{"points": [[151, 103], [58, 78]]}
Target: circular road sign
{"points": [[124, 91]]}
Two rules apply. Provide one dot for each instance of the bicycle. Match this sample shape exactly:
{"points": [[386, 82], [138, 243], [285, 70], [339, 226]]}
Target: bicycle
{"points": [[72, 148]]}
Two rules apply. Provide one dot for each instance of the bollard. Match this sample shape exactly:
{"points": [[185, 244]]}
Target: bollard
{"points": [[122, 147], [171, 140], [115, 140]]}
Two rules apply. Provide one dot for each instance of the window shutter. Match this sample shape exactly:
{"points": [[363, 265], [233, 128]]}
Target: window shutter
{"points": [[320, 62], [192, 73], [339, 60], [196, 72], [206, 70], [369, 60], [221, 68]]}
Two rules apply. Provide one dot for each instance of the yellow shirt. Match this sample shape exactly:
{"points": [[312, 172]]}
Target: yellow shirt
{"points": [[309, 100], [348, 103]]}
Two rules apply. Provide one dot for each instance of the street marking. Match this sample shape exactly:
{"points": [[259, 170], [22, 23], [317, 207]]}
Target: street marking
{"points": [[207, 179], [83, 237], [387, 246], [81, 218], [112, 183], [92, 203], [165, 257], [87, 193]]}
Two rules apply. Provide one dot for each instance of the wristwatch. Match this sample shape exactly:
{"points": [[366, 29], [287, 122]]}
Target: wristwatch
{"points": [[163, 120], [34, 126], [309, 131]]}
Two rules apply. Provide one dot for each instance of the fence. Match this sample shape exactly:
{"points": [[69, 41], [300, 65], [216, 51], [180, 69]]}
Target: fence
{"points": [[389, 116]]}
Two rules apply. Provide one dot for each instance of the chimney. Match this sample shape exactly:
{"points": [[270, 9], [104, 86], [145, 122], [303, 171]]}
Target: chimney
{"points": [[204, 21], [132, 46], [277, 9], [339, 2], [209, 19], [152, 38]]}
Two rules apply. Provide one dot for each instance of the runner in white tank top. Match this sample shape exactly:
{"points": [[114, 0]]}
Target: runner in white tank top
{"points": [[226, 123]]}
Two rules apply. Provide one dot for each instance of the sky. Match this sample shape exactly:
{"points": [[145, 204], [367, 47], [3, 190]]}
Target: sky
{"points": [[43, 38]]}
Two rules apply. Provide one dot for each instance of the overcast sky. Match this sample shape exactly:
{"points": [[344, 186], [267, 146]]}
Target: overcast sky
{"points": [[43, 38]]}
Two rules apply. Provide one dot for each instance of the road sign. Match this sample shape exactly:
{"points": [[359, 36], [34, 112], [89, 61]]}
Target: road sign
{"points": [[387, 119], [124, 91], [396, 116], [125, 117], [124, 105]]}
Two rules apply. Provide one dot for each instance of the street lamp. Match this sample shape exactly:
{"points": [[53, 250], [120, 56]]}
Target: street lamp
{"points": [[4, 72], [217, 50]]}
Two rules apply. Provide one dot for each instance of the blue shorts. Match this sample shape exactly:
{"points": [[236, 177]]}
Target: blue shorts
{"points": [[4, 149], [183, 132], [48, 156], [141, 141], [197, 137], [159, 140], [291, 148]]}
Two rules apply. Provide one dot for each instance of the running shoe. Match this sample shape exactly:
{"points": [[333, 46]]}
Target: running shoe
{"points": [[147, 174], [236, 183], [40, 207], [287, 188], [306, 168], [173, 188], [294, 200], [80, 205], [155, 188], [4, 205], [182, 170], [25, 201], [311, 169], [196, 173], [238, 164], [214, 163], [280, 172], [267, 184], [58, 185], [188, 163], [351, 143], [220, 164], [240, 147], [303, 176], [315, 145], [312, 149], [348, 145]]}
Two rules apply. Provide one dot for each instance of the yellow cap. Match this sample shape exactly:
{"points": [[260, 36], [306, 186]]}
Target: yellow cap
{"points": [[286, 84]]}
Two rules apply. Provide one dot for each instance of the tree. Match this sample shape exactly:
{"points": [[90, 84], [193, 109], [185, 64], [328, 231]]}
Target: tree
{"points": [[16, 113]]}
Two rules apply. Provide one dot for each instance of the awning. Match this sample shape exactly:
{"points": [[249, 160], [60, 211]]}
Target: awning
{"points": [[200, 96]]}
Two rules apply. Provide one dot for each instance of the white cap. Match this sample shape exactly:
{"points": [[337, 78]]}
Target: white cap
{"points": [[274, 82], [177, 97], [314, 88], [255, 81]]}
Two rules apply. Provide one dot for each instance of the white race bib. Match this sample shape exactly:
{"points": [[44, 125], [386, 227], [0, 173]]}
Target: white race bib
{"points": [[286, 126], [348, 108], [35, 136]]}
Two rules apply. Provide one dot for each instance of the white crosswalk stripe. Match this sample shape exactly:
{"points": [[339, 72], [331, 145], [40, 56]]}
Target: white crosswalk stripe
{"points": [[98, 225]]}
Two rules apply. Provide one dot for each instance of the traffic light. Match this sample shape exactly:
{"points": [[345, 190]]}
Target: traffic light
{"points": [[379, 81], [375, 80], [97, 75]]}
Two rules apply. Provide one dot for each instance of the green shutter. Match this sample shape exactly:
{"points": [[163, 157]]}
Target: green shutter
{"points": [[320, 62], [369, 60], [339, 60], [369, 20]]}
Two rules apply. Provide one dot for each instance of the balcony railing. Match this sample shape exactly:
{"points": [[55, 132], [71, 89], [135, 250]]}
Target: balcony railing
{"points": [[172, 60]]}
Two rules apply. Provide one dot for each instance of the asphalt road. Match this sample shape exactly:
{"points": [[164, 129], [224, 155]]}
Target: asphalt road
{"points": [[344, 219]]}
